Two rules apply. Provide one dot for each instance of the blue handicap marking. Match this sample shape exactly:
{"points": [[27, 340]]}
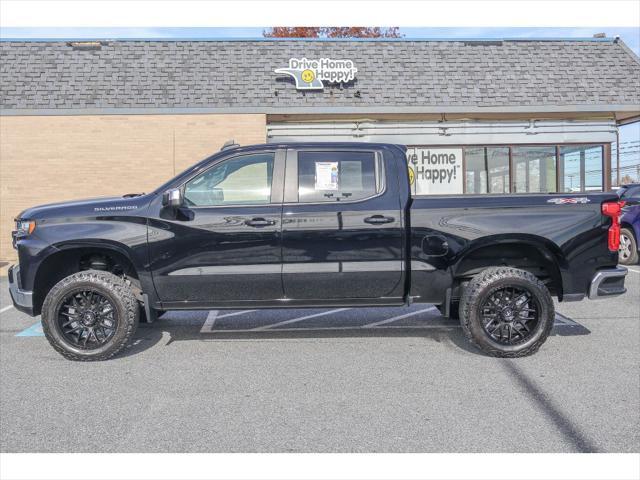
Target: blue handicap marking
{"points": [[33, 331]]}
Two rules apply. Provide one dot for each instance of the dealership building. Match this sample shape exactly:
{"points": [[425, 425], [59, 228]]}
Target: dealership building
{"points": [[87, 118]]}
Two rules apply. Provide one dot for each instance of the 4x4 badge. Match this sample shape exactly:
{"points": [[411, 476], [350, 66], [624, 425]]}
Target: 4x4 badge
{"points": [[568, 200]]}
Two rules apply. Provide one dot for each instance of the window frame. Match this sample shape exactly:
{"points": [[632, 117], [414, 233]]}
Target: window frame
{"points": [[582, 168], [291, 181], [276, 186], [509, 167], [556, 150]]}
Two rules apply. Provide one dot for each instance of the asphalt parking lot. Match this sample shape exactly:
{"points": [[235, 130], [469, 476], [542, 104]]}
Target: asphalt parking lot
{"points": [[338, 380]]}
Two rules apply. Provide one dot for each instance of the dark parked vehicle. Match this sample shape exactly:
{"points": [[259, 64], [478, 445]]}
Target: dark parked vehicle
{"points": [[630, 224], [311, 225]]}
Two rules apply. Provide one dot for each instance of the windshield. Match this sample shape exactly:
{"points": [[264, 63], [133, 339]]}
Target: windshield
{"points": [[629, 191]]}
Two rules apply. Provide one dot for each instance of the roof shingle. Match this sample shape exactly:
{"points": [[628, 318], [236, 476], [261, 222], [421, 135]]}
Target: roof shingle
{"points": [[240, 74]]}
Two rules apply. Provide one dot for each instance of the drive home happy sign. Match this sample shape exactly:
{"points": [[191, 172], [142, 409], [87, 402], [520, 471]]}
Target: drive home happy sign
{"points": [[435, 170], [312, 74]]}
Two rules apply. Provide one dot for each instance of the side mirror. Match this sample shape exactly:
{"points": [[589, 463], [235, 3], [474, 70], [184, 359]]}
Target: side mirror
{"points": [[172, 198]]}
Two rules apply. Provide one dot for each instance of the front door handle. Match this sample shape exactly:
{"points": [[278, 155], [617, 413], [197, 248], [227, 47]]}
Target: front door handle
{"points": [[378, 219], [259, 222]]}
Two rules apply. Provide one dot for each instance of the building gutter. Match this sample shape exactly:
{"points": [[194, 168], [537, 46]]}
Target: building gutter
{"points": [[634, 109], [629, 120]]}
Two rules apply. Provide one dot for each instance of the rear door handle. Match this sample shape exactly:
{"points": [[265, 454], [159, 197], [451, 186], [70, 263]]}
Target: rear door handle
{"points": [[378, 219], [259, 222]]}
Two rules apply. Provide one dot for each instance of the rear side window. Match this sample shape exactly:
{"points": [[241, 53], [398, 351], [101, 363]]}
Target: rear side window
{"points": [[338, 176]]}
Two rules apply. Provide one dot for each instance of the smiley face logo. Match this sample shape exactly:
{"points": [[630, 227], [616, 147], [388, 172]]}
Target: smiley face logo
{"points": [[308, 76], [412, 176]]}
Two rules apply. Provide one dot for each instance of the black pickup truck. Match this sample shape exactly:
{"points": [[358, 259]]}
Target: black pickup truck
{"points": [[311, 225]]}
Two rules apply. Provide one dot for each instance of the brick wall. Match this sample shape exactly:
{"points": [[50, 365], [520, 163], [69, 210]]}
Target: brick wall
{"points": [[47, 159]]}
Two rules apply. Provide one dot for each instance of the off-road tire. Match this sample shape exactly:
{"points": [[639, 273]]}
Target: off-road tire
{"points": [[480, 287], [115, 289], [633, 258]]}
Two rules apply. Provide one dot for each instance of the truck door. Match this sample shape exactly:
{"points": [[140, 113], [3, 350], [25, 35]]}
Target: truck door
{"points": [[223, 245], [342, 228]]}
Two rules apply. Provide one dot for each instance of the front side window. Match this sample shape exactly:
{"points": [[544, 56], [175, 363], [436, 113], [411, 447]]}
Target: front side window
{"points": [[338, 176], [487, 169], [244, 180]]}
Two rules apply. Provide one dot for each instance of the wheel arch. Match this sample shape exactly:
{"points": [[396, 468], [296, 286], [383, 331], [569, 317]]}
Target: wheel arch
{"points": [[74, 256], [628, 226], [533, 253]]}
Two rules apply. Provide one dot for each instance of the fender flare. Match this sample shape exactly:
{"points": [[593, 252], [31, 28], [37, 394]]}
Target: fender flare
{"points": [[549, 251], [142, 271]]}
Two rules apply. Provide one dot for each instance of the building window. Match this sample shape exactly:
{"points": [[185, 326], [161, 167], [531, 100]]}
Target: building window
{"points": [[514, 168], [487, 169], [581, 168], [534, 169]]}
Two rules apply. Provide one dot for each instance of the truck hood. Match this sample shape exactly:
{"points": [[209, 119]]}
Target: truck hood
{"points": [[126, 205]]}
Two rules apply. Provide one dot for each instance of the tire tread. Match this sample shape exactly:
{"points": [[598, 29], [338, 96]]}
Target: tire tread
{"points": [[118, 287], [472, 291]]}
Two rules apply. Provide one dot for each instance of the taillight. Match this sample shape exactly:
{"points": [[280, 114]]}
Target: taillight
{"points": [[613, 210]]}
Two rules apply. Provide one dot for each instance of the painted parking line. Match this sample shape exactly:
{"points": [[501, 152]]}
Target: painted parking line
{"points": [[233, 314], [399, 317], [4, 309], [345, 327], [207, 326], [298, 319], [633, 270], [34, 330], [560, 320]]}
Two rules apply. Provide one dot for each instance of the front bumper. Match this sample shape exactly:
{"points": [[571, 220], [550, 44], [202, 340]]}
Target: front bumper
{"points": [[608, 283], [22, 299]]}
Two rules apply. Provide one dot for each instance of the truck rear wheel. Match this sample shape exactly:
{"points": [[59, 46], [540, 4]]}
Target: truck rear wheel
{"points": [[506, 312], [90, 315]]}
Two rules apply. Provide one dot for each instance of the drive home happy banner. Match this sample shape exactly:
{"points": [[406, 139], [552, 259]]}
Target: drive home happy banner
{"points": [[435, 171]]}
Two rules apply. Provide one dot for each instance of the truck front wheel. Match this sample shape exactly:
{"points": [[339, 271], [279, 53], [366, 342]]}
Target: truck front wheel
{"points": [[506, 312], [90, 315]]}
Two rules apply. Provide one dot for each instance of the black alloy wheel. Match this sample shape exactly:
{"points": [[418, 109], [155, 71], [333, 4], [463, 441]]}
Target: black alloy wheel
{"points": [[628, 251], [510, 315], [87, 319], [90, 315], [506, 312]]}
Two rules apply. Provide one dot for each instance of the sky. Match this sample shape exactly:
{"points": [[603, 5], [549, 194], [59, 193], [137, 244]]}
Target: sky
{"points": [[631, 36]]}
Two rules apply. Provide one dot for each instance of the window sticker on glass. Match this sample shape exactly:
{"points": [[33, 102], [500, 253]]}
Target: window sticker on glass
{"points": [[326, 176]]}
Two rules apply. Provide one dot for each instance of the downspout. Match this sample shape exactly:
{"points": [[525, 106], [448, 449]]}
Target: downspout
{"points": [[617, 155]]}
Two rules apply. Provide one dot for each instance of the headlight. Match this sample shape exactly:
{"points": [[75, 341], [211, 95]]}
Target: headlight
{"points": [[25, 227]]}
